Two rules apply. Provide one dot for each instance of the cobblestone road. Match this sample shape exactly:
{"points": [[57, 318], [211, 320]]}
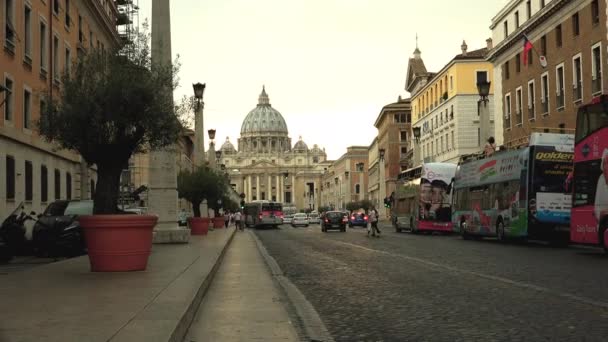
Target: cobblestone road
{"points": [[404, 287]]}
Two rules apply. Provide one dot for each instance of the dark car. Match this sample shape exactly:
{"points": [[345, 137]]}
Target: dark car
{"points": [[334, 220], [357, 219]]}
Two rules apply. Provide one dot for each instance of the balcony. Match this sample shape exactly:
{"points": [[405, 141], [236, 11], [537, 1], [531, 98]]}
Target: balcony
{"points": [[596, 85]]}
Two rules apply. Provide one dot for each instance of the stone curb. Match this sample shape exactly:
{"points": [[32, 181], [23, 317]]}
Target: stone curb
{"points": [[314, 328], [181, 330]]}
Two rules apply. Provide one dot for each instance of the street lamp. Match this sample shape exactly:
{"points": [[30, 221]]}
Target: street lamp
{"points": [[483, 88], [211, 133], [382, 152], [199, 133], [416, 133], [199, 89]]}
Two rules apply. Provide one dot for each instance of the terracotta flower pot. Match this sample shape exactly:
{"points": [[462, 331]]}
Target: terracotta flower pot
{"points": [[118, 243], [218, 222], [199, 225]]}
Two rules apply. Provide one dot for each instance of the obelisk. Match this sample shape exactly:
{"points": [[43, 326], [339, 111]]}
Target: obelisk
{"points": [[162, 193]]}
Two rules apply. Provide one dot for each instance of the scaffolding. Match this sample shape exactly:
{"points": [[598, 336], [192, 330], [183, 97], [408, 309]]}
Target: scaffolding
{"points": [[127, 22]]}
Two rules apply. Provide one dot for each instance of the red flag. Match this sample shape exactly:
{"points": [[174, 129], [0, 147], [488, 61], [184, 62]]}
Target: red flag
{"points": [[527, 47]]}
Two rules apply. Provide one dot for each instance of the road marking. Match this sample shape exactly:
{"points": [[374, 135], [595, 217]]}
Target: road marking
{"points": [[453, 269]]}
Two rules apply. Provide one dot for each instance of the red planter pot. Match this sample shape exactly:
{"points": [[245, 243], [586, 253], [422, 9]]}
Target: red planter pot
{"points": [[118, 243], [218, 222], [199, 225]]}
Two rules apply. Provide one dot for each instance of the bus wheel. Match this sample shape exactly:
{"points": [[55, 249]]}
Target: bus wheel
{"points": [[500, 231], [463, 231]]}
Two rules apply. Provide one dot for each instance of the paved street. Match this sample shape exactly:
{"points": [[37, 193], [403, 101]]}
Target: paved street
{"points": [[404, 287]]}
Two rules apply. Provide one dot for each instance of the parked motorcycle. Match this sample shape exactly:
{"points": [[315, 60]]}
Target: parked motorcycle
{"points": [[57, 234], [13, 235]]}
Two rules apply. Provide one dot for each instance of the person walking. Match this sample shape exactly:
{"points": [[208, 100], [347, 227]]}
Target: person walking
{"points": [[226, 219], [237, 220], [373, 219]]}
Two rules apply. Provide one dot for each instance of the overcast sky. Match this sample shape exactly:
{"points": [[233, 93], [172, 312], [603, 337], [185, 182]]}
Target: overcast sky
{"points": [[329, 66]]}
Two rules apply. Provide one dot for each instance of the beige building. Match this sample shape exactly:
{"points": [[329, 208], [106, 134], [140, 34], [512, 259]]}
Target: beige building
{"points": [[346, 178], [267, 167], [39, 40], [535, 97]]}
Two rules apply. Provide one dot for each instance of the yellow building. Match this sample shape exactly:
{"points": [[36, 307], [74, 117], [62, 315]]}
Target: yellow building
{"points": [[39, 40], [444, 104]]}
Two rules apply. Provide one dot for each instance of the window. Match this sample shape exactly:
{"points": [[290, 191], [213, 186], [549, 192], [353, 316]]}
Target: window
{"points": [[518, 107], [55, 58], [518, 62], [92, 187], [442, 150], [68, 185], [357, 188], [558, 36], [544, 88], [559, 85], [528, 9], [9, 28], [506, 70], [27, 109], [68, 59], [56, 7], [8, 99], [516, 19], [44, 184], [575, 26], [453, 145], [43, 48], [80, 33], [29, 193], [531, 101], [91, 39], [10, 178], [481, 76], [543, 45], [27, 23], [42, 107], [508, 111], [403, 136], [67, 13], [596, 68], [451, 82], [57, 184], [577, 78], [595, 12], [506, 28]]}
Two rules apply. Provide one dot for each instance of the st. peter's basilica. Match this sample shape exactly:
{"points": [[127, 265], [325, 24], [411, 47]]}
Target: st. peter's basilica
{"points": [[266, 166]]}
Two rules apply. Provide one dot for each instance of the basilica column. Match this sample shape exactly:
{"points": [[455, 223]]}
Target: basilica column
{"points": [[280, 188], [257, 186], [249, 188], [269, 188]]}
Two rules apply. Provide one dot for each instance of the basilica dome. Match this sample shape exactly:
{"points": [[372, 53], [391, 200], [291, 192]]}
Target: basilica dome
{"points": [[227, 147], [264, 119]]}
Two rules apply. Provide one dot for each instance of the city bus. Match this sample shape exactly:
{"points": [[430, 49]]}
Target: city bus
{"points": [[590, 176], [422, 200], [263, 214], [519, 193]]}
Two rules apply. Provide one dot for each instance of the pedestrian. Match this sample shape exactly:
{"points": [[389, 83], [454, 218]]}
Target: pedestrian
{"points": [[182, 218], [373, 219], [226, 219], [490, 147], [237, 220]]}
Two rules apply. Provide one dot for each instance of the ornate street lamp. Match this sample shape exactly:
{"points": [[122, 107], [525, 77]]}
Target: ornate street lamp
{"points": [[382, 152], [199, 89], [211, 133], [483, 88], [416, 133]]}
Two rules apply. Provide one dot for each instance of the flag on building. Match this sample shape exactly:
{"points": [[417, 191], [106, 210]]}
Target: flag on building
{"points": [[527, 47]]}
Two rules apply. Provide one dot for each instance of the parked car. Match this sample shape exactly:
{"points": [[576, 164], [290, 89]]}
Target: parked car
{"points": [[287, 219], [313, 218], [299, 219], [334, 220], [357, 219]]}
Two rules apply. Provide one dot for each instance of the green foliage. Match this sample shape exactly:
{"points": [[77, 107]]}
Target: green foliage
{"points": [[111, 105], [201, 184], [366, 204], [353, 206]]}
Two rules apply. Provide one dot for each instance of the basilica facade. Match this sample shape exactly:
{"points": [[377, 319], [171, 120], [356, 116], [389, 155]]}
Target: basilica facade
{"points": [[266, 166]]}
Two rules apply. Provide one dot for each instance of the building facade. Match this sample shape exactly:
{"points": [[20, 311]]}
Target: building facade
{"points": [[394, 135], [40, 40], [346, 179], [544, 97], [445, 105], [266, 167], [373, 173]]}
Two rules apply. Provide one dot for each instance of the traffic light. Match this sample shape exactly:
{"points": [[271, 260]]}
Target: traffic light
{"points": [[242, 204], [387, 202]]}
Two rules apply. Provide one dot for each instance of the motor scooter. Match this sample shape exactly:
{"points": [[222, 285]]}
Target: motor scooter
{"points": [[58, 236], [14, 235]]}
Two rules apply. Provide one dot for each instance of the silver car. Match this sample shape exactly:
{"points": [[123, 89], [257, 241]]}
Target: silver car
{"points": [[299, 219], [287, 219]]}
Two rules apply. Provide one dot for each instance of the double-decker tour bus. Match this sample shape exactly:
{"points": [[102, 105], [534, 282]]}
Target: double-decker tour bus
{"points": [[263, 213], [590, 176], [423, 199], [517, 193]]}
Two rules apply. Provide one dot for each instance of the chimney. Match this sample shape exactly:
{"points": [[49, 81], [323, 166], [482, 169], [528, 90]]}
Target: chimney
{"points": [[463, 47], [489, 44]]}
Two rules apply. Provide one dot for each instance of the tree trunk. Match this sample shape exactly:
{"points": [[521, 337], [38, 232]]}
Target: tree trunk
{"points": [[196, 209], [105, 200]]}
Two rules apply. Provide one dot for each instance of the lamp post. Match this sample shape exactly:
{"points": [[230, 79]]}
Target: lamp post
{"points": [[483, 111], [212, 155], [199, 135], [416, 146], [382, 183]]}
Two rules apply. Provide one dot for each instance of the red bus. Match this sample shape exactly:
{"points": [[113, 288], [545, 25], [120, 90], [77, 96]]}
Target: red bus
{"points": [[263, 214], [589, 216]]}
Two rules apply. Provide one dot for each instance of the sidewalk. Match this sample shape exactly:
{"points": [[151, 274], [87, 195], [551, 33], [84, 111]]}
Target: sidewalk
{"points": [[64, 301], [243, 302]]}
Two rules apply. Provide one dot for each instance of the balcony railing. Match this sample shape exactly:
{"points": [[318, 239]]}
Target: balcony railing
{"points": [[560, 100], [596, 85]]}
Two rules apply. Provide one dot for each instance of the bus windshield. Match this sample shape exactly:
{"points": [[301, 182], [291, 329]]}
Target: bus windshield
{"points": [[589, 119]]}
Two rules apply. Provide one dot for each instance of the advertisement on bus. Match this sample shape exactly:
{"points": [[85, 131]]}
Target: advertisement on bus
{"points": [[435, 197]]}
